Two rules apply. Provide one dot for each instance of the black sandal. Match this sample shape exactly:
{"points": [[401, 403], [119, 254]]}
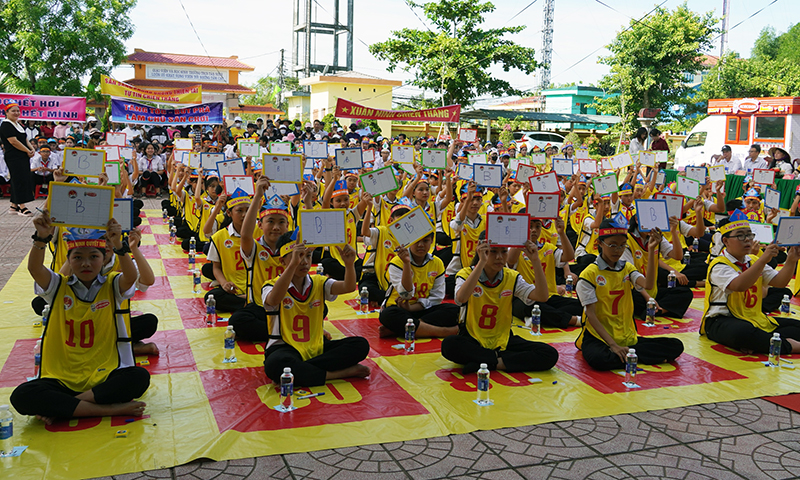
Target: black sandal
{"points": [[24, 212], [13, 209]]}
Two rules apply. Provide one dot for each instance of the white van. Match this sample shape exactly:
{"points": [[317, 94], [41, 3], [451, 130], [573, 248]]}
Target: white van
{"points": [[739, 123]]}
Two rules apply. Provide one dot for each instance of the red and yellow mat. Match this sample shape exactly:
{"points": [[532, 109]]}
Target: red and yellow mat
{"points": [[198, 406]]}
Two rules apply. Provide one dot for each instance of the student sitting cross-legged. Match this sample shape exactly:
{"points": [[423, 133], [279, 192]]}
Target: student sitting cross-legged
{"points": [[733, 305], [416, 291], [297, 339], [485, 291], [605, 289], [87, 366]]}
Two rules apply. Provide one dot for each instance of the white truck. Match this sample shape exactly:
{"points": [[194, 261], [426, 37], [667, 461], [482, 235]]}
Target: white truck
{"points": [[739, 123]]}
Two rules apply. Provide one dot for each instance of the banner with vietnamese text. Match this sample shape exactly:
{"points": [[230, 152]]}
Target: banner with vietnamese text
{"points": [[348, 109], [44, 108], [192, 95], [138, 114]]}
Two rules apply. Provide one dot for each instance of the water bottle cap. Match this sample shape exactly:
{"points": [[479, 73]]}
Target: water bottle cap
{"points": [[483, 365], [287, 370], [409, 321], [230, 328], [776, 335], [631, 350], [211, 296]]}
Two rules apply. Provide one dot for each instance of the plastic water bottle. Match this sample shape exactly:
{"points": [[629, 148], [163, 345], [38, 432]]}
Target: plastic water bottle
{"points": [[785, 304], [6, 426], [696, 245], [651, 313], [37, 357], [230, 345], [568, 286], [411, 336], [536, 320], [630, 367], [320, 270], [671, 278], [196, 281], [211, 311], [192, 253], [687, 258], [164, 215], [45, 315], [775, 350], [483, 386], [364, 300], [173, 234], [287, 389], [171, 222]]}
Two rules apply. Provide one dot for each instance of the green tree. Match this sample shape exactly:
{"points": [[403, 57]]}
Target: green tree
{"points": [[48, 46], [735, 77], [649, 61], [453, 58], [267, 89], [766, 46]]}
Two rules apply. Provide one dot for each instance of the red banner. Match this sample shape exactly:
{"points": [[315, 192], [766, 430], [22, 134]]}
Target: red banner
{"points": [[348, 109]]}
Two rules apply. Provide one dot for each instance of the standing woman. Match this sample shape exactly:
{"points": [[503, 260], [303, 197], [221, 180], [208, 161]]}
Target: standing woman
{"points": [[18, 151], [638, 141]]}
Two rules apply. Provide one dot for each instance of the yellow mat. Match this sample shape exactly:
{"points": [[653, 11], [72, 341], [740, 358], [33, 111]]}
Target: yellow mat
{"points": [[199, 407]]}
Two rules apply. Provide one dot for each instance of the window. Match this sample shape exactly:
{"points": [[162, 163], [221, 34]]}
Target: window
{"points": [[770, 128], [738, 130], [552, 137], [696, 139], [518, 135]]}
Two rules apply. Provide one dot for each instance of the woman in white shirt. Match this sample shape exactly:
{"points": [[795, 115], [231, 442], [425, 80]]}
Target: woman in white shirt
{"points": [[638, 141]]}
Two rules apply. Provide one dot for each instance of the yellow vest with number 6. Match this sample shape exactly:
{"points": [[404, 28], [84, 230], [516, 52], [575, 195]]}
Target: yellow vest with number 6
{"points": [[742, 305], [487, 314]]}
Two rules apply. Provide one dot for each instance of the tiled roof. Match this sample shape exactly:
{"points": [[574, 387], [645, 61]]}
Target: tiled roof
{"points": [[231, 63], [207, 87]]}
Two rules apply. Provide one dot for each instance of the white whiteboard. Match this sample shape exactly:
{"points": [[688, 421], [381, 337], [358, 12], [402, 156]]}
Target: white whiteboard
{"points": [[76, 205], [282, 168], [322, 227]]}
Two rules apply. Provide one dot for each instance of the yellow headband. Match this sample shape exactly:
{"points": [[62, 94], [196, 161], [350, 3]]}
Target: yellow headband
{"points": [[733, 226], [607, 232], [89, 242], [232, 202], [286, 249]]}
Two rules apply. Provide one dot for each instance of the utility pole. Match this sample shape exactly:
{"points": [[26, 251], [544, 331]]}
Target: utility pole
{"points": [[723, 42], [281, 81], [547, 47]]}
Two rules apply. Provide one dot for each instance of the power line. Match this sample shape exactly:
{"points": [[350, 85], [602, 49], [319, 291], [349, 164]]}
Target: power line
{"points": [[198, 38], [746, 19], [262, 55]]}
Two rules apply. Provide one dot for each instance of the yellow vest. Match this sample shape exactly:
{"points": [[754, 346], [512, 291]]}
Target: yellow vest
{"points": [[59, 249], [191, 212], [265, 268], [614, 307], [742, 305], [230, 256], [448, 214], [423, 276], [525, 267], [206, 210], [487, 313], [85, 341], [301, 320], [383, 254], [468, 241]]}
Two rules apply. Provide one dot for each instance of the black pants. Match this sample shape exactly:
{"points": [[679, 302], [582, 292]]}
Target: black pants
{"points": [[208, 271], [171, 210], [336, 270], [650, 351], [556, 312], [226, 302], [41, 179], [449, 286], [445, 248], [250, 322], [336, 355], [581, 263], [199, 246], [674, 300], [184, 232], [742, 335], [443, 315], [153, 178], [49, 398], [694, 272], [519, 356], [370, 280], [772, 301]]}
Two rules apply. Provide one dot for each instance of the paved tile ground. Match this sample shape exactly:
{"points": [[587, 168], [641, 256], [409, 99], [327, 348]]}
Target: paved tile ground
{"points": [[747, 439]]}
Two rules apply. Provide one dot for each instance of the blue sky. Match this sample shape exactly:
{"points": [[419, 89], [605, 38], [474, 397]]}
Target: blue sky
{"points": [[256, 30]]}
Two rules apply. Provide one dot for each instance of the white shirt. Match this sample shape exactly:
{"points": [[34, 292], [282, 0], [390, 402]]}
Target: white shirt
{"points": [[213, 254], [435, 296], [750, 164], [731, 165], [635, 146], [156, 164], [83, 293], [586, 291], [36, 162], [721, 276]]}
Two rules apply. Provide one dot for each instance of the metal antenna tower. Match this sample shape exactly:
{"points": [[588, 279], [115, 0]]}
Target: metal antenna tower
{"points": [[723, 42], [306, 29], [547, 45]]}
